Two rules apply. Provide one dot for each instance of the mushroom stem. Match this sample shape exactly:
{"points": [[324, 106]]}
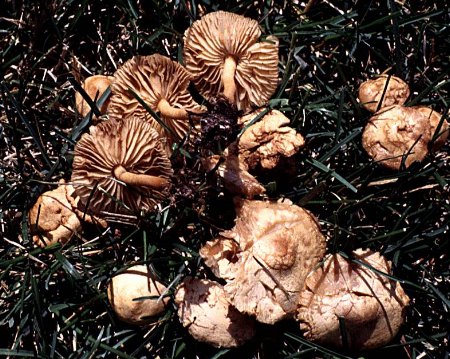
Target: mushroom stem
{"points": [[135, 179], [229, 85], [167, 110]]}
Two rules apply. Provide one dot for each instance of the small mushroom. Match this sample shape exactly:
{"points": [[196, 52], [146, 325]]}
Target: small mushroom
{"points": [[277, 245], [396, 135], [350, 305], [222, 52], [209, 317], [372, 91], [435, 119], [121, 166], [94, 86], [135, 296]]}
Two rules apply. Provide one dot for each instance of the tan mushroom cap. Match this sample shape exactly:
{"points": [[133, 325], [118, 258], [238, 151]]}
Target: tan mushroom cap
{"points": [[208, 316], [94, 86], [163, 85], [222, 52], [278, 244], [371, 91], [435, 118], [121, 166], [370, 306], [136, 282], [395, 132], [52, 219]]}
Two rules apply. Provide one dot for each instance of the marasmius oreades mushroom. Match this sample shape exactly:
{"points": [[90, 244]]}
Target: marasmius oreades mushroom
{"points": [[222, 52], [346, 304], [94, 86], [121, 166], [266, 257]]}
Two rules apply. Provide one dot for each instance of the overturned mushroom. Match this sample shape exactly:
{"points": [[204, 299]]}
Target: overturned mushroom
{"points": [[349, 305], [276, 247], [371, 92], [94, 86], [435, 119], [135, 296], [222, 52], [121, 166], [208, 316]]}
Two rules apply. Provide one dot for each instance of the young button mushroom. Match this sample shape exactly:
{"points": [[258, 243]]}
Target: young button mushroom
{"points": [[372, 91], [94, 86], [435, 119], [396, 135], [121, 166], [222, 52], [134, 295], [209, 317], [349, 305], [278, 244]]}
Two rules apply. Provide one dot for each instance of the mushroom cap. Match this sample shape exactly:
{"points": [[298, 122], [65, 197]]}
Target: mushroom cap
{"points": [[133, 144], [218, 35], [435, 118], [371, 91], [278, 244], [94, 86], [209, 317], [136, 282], [153, 78], [370, 306], [52, 219], [395, 132]]}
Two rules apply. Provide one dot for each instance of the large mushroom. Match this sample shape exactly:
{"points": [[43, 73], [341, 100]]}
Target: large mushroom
{"points": [[352, 304], [121, 166], [222, 52], [94, 86], [266, 257]]}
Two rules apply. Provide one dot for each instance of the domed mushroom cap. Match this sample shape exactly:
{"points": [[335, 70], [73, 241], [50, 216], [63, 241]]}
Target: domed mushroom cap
{"points": [[434, 118], [343, 294], [394, 133], [121, 166], [371, 91], [209, 318], [163, 85], [223, 53], [278, 245], [94, 86], [134, 295]]}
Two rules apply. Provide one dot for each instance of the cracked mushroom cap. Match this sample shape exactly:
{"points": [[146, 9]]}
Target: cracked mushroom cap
{"points": [[135, 296], [276, 247], [94, 86], [52, 218], [396, 134], [163, 85], [121, 167], [345, 294], [435, 119], [209, 317], [222, 52], [371, 91]]}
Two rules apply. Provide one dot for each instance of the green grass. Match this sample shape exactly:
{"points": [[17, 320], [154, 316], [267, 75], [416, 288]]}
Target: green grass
{"points": [[53, 301]]}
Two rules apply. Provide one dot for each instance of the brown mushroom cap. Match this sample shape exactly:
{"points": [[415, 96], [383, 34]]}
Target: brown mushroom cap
{"points": [[94, 86], [203, 309], [434, 118], [163, 85], [395, 132], [121, 166], [52, 219], [222, 53], [371, 91], [344, 294], [136, 282], [278, 245]]}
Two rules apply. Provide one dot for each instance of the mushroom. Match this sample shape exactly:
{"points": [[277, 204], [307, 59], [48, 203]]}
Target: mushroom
{"points": [[135, 296], [209, 317], [121, 166], [435, 119], [372, 91], [277, 245], [397, 134], [94, 86], [351, 305], [163, 85], [222, 52]]}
